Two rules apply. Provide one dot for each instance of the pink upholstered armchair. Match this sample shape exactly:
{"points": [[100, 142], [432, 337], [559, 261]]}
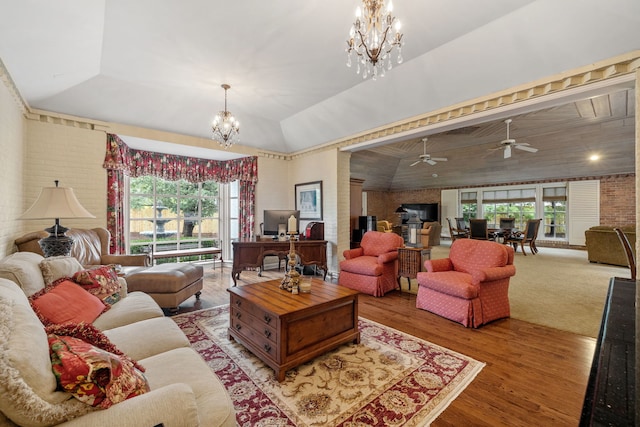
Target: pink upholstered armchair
{"points": [[373, 267], [471, 286]]}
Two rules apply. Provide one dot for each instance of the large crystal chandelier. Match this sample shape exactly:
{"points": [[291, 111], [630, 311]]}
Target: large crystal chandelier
{"points": [[372, 38], [226, 129]]}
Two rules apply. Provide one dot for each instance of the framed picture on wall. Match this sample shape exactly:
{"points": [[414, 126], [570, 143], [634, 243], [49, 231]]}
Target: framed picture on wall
{"points": [[309, 200]]}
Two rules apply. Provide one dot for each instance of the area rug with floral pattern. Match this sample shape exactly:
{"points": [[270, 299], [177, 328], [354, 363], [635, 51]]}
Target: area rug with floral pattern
{"points": [[389, 379]]}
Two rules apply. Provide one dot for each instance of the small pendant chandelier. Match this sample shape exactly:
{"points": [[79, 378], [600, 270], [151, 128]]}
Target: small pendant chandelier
{"points": [[226, 129], [372, 38]]}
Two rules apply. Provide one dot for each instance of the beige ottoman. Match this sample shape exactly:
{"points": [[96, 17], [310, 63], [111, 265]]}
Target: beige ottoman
{"points": [[168, 284]]}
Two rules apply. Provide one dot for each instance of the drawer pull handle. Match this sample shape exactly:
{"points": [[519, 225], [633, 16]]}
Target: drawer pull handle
{"points": [[267, 333], [238, 303], [267, 318], [238, 327], [238, 315], [267, 348]]}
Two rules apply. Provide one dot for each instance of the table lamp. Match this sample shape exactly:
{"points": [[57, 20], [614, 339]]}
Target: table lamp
{"points": [[55, 203]]}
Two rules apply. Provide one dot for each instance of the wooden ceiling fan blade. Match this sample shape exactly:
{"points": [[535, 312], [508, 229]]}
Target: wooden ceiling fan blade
{"points": [[415, 163], [439, 159]]}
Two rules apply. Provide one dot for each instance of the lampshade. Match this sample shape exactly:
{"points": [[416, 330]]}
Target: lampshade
{"points": [[56, 202]]}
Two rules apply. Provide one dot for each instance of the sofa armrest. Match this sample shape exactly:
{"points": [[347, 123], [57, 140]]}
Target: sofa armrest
{"points": [[172, 405], [435, 265], [387, 257], [143, 260], [353, 253], [493, 273]]}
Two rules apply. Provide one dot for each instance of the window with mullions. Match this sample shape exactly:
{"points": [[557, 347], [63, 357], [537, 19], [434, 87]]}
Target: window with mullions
{"points": [[509, 203], [169, 215], [555, 212], [469, 200]]}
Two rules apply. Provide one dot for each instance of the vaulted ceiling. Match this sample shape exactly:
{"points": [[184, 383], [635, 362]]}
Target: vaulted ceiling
{"points": [[159, 65]]}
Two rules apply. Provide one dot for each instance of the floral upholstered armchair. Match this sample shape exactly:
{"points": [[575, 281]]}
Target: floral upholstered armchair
{"points": [[373, 267], [471, 286]]}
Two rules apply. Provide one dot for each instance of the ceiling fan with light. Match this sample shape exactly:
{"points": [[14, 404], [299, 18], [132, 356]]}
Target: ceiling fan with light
{"points": [[509, 142], [426, 158]]}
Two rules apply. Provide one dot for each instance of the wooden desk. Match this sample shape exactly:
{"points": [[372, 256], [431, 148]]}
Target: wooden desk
{"points": [[250, 253]]}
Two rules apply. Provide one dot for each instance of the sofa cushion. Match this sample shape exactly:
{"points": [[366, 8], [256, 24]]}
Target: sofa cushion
{"points": [[454, 283], [469, 255], [92, 375], [27, 384], [215, 407], [101, 281], [364, 265], [149, 337], [23, 269], [54, 268], [66, 301], [375, 243], [135, 307]]}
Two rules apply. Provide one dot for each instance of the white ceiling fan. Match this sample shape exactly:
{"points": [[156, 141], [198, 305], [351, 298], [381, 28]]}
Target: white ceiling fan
{"points": [[509, 142], [426, 158]]}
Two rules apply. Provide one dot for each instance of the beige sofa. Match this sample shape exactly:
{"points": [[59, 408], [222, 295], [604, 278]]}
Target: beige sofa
{"points": [[168, 284], [183, 389], [603, 245]]}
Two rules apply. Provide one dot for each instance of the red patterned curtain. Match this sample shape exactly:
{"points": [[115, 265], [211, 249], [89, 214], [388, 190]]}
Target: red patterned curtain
{"points": [[120, 160]]}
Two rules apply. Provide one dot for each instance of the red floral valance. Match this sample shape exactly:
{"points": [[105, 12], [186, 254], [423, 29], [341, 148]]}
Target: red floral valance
{"points": [[137, 163]]}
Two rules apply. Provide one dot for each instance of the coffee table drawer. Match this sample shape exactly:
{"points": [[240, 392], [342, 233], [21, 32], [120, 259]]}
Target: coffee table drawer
{"points": [[267, 330], [255, 340], [255, 311]]}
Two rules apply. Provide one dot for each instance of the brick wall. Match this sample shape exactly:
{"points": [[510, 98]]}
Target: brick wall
{"points": [[618, 200]]}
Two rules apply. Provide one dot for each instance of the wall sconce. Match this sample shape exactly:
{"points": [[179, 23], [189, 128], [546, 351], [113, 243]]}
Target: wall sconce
{"points": [[55, 203]]}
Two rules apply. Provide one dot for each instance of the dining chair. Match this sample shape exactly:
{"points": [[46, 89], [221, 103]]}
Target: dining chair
{"points": [[529, 235], [478, 229], [461, 224], [631, 259], [507, 223], [455, 232]]}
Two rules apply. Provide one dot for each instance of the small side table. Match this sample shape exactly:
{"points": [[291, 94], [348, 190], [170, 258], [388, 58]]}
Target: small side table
{"points": [[410, 262]]}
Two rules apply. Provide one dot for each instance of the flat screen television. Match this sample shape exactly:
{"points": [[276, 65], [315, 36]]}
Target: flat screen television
{"points": [[274, 218], [424, 211]]}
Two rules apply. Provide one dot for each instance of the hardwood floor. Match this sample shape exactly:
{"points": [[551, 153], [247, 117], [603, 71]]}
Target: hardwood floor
{"points": [[534, 375]]}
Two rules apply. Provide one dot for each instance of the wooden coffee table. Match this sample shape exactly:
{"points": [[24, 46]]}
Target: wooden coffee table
{"points": [[285, 330]]}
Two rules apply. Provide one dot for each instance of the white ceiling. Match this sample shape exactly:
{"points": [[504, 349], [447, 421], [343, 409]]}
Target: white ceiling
{"points": [[160, 64]]}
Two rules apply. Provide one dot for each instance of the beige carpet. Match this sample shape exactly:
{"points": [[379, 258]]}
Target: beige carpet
{"points": [[389, 379], [558, 288]]}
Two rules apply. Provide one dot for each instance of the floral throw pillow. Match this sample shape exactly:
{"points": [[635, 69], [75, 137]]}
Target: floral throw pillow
{"points": [[92, 375], [92, 335], [101, 282]]}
